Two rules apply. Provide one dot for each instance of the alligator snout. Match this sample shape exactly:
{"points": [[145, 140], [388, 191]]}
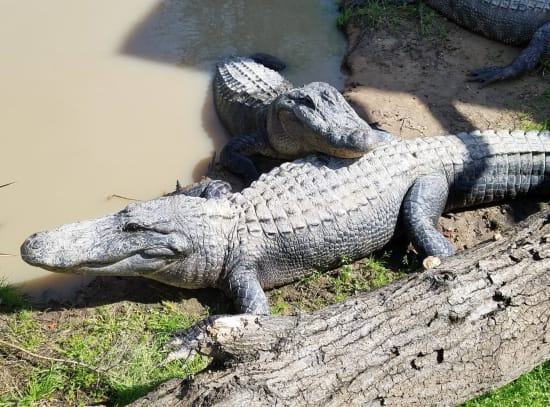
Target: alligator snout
{"points": [[40, 250], [31, 248], [30, 244]]}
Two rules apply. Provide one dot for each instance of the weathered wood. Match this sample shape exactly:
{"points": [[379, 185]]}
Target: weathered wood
{"points": [[439, 337]]}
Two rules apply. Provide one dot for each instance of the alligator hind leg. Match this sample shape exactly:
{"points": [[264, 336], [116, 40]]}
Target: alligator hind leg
{"points": [[526, 61], [422, 207]]}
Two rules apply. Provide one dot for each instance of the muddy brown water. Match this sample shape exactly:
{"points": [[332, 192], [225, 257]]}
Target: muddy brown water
{"points": [[103, 98]]}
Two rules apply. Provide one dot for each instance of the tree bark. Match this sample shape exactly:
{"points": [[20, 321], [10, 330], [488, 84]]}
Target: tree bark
{"points": [[440, 337]]}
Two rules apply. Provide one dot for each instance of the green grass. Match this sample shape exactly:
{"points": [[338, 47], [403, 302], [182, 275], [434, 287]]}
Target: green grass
{"points": [[532, 112], [374, 14], [11, 297], [379, 13], [26, 329], [526, 122], [344, 16], [323, 289], [532, 389], [115, 356], [41, 385]]}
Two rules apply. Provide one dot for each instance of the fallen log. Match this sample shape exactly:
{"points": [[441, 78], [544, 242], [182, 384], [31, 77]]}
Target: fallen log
{"points": [[440, 337]]}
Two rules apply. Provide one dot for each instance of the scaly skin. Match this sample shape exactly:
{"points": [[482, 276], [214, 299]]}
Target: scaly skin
{"points": [[301, 217], [516, 22], [267, 117]]}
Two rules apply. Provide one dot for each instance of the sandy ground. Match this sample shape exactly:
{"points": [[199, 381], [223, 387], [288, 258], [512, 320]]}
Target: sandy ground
{"points": [[413, 84]]}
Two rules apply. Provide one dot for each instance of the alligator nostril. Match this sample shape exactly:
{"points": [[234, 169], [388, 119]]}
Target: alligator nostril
{"points": [[30, 245]]}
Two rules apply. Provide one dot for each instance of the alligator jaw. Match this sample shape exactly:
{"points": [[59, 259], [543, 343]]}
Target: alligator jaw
{"points": [[137, 264]]}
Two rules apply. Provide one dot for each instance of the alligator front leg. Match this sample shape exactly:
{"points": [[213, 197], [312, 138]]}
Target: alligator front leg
{"points": [[422, 207], [246, 292], [249, 298], [526, 61], [235, 156]]}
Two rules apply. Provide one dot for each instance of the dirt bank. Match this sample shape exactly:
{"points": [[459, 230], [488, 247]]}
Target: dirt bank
{"points": [[407, 72]]}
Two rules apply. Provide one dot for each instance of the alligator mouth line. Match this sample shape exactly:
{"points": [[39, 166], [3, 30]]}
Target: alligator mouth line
{"points": [[147, 257]]}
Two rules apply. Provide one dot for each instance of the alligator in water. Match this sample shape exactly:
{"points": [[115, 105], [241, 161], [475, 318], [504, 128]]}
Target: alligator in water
{"points": [[303, 216], [515, 22], [268, 117]]}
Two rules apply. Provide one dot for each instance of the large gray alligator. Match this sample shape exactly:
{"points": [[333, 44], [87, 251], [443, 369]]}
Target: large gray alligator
{"points": [[515, 22], [268, 117], [303, 216]]}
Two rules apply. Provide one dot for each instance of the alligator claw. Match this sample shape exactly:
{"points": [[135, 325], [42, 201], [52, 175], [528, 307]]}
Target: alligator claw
{"points": [[186, 343], [212, 189], [182, 353], [487, 75]]}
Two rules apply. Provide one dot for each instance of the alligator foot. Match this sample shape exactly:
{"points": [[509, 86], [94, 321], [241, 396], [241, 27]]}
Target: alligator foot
{"points": [[212, 189], [186, 343], [488, 75], [525, 62]]}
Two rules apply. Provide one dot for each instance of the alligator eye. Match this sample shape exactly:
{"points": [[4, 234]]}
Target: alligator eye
{"points": [[132, 227], [306, 101]]}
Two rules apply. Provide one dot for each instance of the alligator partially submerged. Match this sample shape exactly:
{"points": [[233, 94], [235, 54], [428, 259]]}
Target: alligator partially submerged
{"points": [[515, 22], [303, 216], [268, 117]]}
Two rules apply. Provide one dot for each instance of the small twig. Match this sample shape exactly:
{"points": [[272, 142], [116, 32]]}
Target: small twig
{"points": [[66, 361], [123, 197], [5, 185], [7, 255]]}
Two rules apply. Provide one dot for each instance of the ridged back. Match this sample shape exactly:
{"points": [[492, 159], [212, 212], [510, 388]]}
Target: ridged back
{"points": [[243, 89], [343, 206], [306, 214]]}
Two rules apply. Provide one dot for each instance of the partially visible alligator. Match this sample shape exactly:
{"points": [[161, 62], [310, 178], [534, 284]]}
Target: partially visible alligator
{"points": [[269, 61], [268, 117], [515, 22], [303, 216]]}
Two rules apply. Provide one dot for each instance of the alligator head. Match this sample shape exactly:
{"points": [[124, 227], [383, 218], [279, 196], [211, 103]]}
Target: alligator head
{"points": [[179, 240], [317, 116]]}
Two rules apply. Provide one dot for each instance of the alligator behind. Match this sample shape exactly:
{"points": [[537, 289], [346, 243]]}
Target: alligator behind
{"points": [[515, 22], [304, 216], [268, 117]]}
